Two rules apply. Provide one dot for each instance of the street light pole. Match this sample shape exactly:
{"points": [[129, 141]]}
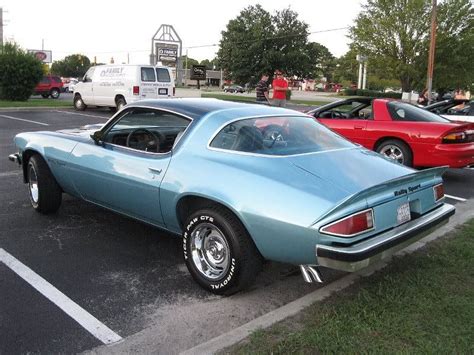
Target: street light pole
{"points": [[429, 83]]}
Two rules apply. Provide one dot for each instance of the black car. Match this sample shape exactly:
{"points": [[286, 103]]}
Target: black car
{"points": [[234, 88]]}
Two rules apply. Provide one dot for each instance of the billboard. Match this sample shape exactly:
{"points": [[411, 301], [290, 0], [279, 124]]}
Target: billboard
{"points": [[198, 72], [167, 53], [42, 55]]}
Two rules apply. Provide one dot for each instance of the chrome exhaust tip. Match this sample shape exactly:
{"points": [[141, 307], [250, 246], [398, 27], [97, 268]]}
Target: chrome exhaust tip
{"points": [[311, 273]]}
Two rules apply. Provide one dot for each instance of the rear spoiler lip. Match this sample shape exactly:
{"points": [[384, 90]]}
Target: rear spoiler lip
{"points": [[434, 172]]}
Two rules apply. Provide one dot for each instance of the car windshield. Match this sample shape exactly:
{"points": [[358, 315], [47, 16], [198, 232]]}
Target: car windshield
{"points": [[278, 136], [401, 111]]}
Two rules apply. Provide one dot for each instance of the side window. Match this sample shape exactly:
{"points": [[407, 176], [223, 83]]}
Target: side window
{"points": [[148, 74], [45, 80], [88, 76], [147, 130], [163, 75]]}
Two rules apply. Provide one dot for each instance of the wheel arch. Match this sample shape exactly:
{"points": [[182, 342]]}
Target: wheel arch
{"points": [[25, 157], [190, 203], [388, 138], [119, 96]]}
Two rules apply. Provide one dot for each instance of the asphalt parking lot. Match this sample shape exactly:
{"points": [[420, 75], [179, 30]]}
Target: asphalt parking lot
{"points": [[129, 276]]}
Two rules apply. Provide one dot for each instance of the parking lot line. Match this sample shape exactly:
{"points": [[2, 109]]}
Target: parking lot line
{"points": [[80, 114], [11, 173], [22, 119], [80, 315], [456, 198]]}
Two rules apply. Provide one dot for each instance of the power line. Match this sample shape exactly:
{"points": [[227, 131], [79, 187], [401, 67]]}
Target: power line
{"points": [[216, 44]]}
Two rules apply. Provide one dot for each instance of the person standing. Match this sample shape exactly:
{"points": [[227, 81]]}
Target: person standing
{"points": [[423, 98], [280, 86], [262, 90]]}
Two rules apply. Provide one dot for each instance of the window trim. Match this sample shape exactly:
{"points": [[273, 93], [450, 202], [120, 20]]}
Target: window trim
{"points": [[108, 126], [272, 155], [148, 81], [157, 76]]}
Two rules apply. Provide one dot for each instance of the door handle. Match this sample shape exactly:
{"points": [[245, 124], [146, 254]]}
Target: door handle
{"points": [[155, 171]]}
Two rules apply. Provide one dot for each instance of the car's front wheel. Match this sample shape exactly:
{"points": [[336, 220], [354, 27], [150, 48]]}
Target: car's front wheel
{"points": [[396, 150], [218, 251], [45, 193], [79, 104]]}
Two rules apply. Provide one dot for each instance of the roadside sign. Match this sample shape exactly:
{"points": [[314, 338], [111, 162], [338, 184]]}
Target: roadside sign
{"points": [[42, 55], [198, 72]]}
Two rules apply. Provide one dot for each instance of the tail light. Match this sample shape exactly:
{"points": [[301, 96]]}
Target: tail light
{"points": [[459, 137], [438, 192], [136, 90], [352, 225], [174, 91]]}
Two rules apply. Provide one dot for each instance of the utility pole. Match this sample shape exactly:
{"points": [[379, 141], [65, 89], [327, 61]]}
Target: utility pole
{"points": [[1, 27], [431, 56]]}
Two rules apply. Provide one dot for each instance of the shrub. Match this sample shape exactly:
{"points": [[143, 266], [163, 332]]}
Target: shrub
{"points": [[19, 73], [372, 93]]}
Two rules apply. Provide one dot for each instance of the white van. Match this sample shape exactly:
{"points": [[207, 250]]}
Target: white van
{"points": [[115, 86]]}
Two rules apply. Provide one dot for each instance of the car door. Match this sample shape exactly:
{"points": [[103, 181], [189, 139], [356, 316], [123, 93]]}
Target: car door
{"points": [[148, 86], [349, 120], [44, 85], [122, 173], [87, 89]]}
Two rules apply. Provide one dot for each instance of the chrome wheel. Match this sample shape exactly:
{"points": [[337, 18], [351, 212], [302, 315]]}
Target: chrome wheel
{"points": [[210, 251], [393, 152], [33, 184]]}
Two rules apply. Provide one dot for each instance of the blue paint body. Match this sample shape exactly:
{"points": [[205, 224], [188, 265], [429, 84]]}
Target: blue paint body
{"points": [[281, 200]]}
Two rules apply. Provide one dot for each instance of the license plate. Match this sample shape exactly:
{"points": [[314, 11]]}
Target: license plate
{"points": [[162, 91], [403, 213]]}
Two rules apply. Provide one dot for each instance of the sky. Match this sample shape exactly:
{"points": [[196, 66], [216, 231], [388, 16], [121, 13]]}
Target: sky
{"points": [[124, 29]]}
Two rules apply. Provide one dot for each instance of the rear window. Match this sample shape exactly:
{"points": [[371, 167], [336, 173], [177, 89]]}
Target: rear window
{"points": [[401, 111], [148, 74], [278, 136], [163, 75]]}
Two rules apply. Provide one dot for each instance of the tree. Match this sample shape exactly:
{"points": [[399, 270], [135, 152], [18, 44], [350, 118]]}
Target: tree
{"points": [[74, 65], [454, 46], [395, 35], [347, 68], [325, 61], [256, 42], [20, 72]]}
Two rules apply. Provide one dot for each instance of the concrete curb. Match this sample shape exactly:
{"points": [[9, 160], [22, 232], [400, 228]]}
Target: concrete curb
{"points": [[464, 212]]}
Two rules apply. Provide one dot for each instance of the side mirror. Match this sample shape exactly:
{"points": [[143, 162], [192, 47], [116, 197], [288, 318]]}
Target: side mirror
{"points": [[97, 137]]}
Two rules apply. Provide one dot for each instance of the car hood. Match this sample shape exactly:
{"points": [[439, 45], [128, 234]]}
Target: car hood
{"points": [[351, 170], [80, 133]]}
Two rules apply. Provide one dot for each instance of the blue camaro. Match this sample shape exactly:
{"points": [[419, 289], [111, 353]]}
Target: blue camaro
{"points": [[241, 184]]}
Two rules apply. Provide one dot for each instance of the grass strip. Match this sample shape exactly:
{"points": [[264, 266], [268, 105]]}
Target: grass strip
{"points": [[420, 303], [36, 103]]}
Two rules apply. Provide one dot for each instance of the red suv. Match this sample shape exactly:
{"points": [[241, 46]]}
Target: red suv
{"points": [[49, 85]]}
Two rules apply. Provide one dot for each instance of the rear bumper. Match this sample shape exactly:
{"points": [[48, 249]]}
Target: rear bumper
{"points": [[454, 155], [16, 158], [365, 253]]}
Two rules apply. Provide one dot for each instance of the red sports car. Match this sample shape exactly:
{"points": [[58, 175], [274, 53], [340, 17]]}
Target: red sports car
{"points": [[401, 131]]}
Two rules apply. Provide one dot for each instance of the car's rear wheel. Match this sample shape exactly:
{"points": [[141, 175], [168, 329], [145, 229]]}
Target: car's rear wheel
{"points": [[45, 193], [54, 93], [218, 251], [79, 104], [120, 102], [396, 150]]}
